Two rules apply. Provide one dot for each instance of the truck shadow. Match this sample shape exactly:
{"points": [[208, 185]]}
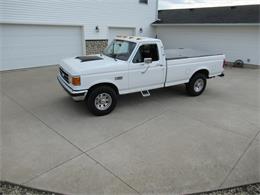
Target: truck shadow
{"points": [[162, 94], [129, 101]]}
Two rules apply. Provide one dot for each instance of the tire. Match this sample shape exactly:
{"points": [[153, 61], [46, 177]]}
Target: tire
{"points": [[239, 63], [197, 84], [102, 100]]}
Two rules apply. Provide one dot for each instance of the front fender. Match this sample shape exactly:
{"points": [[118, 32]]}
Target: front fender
{"points": [[97, 82]]}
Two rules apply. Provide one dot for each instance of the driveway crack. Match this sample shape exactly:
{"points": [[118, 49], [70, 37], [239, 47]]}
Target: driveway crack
{"points": [[111, 172], [45, 124], [82, 152], [238, 160], [126, 131]]}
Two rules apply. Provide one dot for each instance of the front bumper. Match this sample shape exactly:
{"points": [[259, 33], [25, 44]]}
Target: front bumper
{"points": [[77, 95]]}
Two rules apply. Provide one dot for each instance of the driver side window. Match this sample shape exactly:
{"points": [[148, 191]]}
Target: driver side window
{"points": [[146, 51]]}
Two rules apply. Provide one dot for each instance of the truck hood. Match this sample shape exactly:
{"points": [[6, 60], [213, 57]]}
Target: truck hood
{"points": [[91, 64]]}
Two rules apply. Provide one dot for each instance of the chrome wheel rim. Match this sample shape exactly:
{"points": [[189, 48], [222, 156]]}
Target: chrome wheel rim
{"points": [[199, 85], [103, 101]]}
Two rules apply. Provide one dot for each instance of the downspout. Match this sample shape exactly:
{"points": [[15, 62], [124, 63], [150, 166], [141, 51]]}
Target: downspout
{"points": [[156, 18]]}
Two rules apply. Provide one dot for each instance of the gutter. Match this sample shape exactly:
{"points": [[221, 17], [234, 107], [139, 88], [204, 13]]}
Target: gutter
{"points": [[209, 24]]}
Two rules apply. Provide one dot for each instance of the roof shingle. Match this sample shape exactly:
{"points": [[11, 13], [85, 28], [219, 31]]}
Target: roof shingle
{"points": [[216, 15]]}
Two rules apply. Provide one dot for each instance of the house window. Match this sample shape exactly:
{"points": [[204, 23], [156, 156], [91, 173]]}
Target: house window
{"points": [[143, 1]]}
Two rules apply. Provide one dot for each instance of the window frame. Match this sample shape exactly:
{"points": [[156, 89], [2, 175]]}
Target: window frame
{"points": [[137, 50]]}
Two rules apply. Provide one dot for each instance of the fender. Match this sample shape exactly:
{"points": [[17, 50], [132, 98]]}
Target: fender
{"points": [[104, 81], [200, 69]]}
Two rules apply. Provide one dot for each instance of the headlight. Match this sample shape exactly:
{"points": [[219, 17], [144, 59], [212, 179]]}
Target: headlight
{"points": [[75, 80]]}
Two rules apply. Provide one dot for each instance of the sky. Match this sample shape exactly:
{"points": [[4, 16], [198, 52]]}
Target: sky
{"points": [[176, 4]]}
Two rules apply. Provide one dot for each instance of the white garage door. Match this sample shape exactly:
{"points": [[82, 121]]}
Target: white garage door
{"points": [[113, 32], [237, 42], [25, 46]]}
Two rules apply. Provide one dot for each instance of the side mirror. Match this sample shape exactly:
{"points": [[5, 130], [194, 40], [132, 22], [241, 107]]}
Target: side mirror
{"points": [[148, 60]]}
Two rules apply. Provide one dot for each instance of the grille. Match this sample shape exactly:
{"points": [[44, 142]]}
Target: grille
{"points": [[64, 75]]}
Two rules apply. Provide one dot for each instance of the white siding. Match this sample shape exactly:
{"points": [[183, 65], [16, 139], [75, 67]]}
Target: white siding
{"points": [[237, 42], [113, 32], [90, 13]]}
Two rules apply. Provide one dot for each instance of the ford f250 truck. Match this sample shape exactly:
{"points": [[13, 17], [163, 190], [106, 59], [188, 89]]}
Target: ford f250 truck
{"points": [[135, 64]]}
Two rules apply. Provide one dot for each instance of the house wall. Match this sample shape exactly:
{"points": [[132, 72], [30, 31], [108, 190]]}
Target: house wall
{"points": [[90, 13], [111, 17], [237, 42]]}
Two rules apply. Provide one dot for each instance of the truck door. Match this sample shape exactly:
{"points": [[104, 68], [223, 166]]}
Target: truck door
{"points": [[147, 70]]}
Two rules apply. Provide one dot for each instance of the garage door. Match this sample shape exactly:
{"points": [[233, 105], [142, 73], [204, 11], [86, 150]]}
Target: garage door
{"points": [[236, 42], [25, 46], [113, 32]]}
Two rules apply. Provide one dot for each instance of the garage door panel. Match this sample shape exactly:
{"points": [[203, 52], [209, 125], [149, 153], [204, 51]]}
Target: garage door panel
{"points": [[38, 45], [41, 55], [1, 46], [236, 42], [43, 44]]}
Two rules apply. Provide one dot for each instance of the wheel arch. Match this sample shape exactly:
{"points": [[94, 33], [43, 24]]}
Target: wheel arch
{"points": [[204, 71], [112, 85]]}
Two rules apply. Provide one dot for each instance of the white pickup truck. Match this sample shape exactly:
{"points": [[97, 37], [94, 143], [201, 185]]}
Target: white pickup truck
{"points": [[135, 64]]}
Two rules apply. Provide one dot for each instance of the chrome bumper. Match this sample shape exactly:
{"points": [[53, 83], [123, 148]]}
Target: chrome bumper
{"points": [[75, 94]]}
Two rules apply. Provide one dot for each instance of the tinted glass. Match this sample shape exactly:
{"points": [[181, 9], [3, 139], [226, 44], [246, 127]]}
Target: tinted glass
{"points": [[146, 51]]}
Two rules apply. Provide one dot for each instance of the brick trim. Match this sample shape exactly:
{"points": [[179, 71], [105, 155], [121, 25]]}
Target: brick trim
{"points": [[95, 46]]}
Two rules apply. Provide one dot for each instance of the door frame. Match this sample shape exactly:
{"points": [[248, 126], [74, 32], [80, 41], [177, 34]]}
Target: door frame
{"points": [[160, 61]]}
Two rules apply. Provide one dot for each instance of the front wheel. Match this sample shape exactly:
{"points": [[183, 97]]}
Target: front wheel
{"points": [[102, 100], [196, 85]]}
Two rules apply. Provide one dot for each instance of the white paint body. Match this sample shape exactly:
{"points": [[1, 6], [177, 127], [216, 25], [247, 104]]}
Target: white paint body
{"points": [[236, 41], [161, 73]]}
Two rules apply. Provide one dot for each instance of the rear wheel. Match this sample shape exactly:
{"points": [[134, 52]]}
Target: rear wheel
{"points": [[101, 100], [197, 84]]}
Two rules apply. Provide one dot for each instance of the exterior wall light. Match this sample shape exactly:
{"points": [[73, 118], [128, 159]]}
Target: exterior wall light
{"points": [[97, 29], [141, 30]]}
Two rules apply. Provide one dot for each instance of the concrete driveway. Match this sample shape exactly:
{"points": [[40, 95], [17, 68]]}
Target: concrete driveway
{"points": [[167, 143]]}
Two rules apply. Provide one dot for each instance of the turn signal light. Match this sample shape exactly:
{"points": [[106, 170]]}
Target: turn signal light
{"points": [[75, 81], [224, 63]]}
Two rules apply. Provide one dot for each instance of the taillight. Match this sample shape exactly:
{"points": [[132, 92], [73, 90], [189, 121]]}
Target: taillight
{"points": [[224, 63]]}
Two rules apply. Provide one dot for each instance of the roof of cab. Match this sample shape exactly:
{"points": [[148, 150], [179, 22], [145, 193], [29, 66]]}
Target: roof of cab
{"points": [[135, 38]]}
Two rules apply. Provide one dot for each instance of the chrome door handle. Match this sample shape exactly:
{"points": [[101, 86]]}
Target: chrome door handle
{"points": [[161, 65]]}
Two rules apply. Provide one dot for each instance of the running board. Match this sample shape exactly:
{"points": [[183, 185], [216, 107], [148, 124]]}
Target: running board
{"points": [[145, 93]]}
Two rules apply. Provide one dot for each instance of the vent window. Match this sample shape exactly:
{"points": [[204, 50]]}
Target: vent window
{"points": [[143, 1]]}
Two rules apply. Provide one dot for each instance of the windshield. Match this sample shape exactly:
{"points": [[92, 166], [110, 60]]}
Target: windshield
{"points": [[120, 49]]}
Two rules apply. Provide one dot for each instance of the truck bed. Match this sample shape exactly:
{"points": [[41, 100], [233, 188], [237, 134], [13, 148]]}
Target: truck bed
{"points": [[175, 54]]}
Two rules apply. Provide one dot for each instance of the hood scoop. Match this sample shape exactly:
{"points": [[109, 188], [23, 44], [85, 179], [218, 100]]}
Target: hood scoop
{"points": [[88, 58]]}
